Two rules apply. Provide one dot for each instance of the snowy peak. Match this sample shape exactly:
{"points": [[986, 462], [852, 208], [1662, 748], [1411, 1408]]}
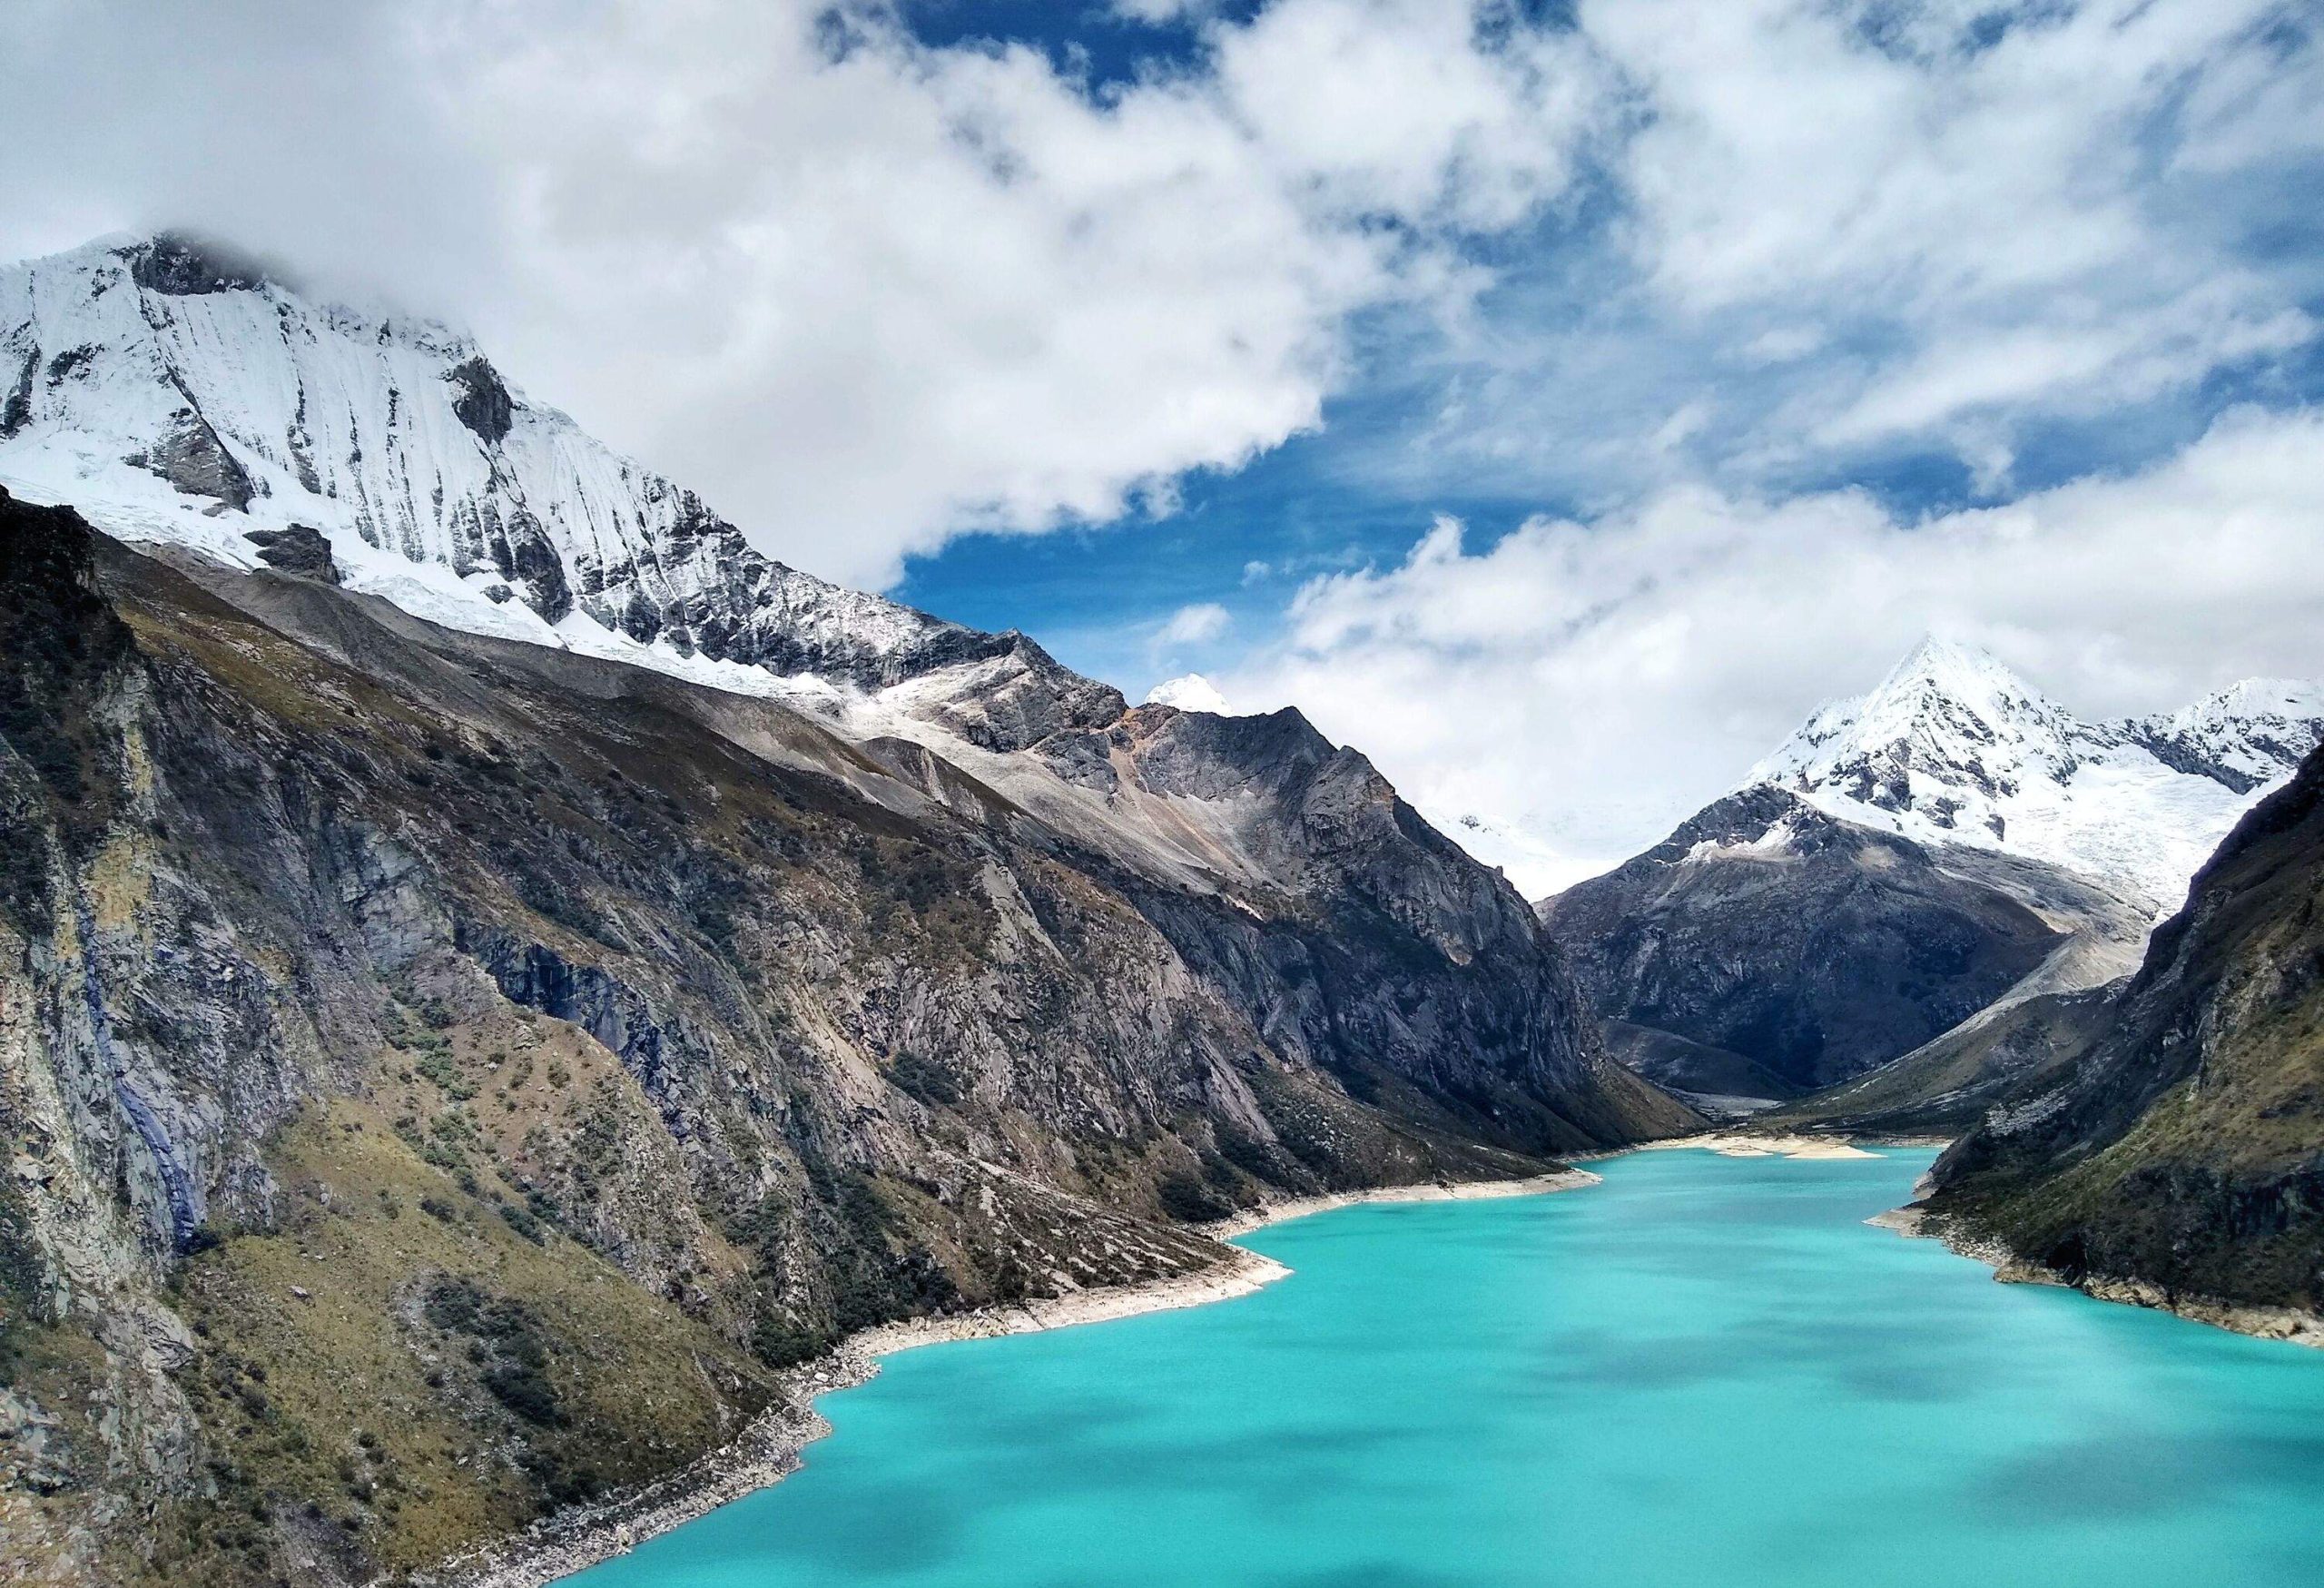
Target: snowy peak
{"points": [[2245, 736], [1950, 721], [1189, 692], [1951, 695], [175, 392], [1953, 746]]}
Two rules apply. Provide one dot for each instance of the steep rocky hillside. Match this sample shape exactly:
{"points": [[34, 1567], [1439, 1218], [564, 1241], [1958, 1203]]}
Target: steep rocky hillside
{"points": [[445, 1078], [2181, 1160], [1944, 1086], [1766, 935]]}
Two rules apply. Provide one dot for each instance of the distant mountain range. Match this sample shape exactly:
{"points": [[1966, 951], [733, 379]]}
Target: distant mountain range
{"points": [[1905, 860]]}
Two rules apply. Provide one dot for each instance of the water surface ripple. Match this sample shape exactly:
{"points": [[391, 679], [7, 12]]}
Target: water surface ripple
{"points": [[1707, 1372]]}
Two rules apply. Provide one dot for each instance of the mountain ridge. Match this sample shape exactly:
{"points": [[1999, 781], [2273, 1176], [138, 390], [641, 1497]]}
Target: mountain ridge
{"points": [[2170, 1159], [178, 395], [440, 847], [1936, 819], [1953, 746], [442, 1036]]}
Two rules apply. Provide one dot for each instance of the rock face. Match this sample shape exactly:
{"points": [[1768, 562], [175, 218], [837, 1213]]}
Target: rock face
{"points": [[299, 550], [176, 395], [1809, 948], [1947, 846], [445, 1077], [2180, 1159]]}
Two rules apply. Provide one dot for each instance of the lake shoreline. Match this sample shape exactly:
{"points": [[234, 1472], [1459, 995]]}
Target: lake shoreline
{"points": [[1260, 1218], [2288, 1325], [772, 1445], [1758, 1144]]}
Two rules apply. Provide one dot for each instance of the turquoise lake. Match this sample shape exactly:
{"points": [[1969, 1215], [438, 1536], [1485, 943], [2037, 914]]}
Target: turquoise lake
{"points": [[1706, 1372]]}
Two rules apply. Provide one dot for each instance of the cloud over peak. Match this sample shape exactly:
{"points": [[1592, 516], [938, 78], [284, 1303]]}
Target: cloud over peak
{"points": [[862, 293], [1588, 683]]}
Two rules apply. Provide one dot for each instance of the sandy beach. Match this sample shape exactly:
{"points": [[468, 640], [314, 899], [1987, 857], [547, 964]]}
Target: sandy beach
{"points": [[1570, 1179], [1744, 1144]]}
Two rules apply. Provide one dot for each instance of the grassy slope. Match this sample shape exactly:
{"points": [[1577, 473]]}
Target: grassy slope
{"points": [[356, 1415], [2186, 1150], [1944, 1086]]}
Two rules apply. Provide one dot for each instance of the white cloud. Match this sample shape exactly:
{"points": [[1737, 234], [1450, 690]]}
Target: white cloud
{"points": [[1580, 687], [861, 293], [865, 294], [1194, 624], [1161, 11], [1901, 226]]}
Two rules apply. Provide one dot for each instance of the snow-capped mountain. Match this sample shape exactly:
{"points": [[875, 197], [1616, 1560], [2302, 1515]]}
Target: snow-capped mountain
{"points": [[1949, 845], [175, 393], [1953, 747], [2248, 736], [1189, 692]]}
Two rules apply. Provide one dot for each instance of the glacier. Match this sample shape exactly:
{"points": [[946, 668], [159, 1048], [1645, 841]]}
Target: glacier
{"points": [[1953, 747]]}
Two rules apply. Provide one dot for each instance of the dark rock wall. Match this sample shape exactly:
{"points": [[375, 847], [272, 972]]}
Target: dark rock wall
{"points": [[1816, 957]]}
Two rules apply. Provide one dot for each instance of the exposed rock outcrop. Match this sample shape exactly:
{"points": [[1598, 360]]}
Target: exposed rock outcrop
{"points": [[435, 1065], [1813, 949], [2180, 1159], [299, 550]]}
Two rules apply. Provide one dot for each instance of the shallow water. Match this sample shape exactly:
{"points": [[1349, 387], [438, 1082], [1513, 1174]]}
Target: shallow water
{"points": [[1706, 1372]]}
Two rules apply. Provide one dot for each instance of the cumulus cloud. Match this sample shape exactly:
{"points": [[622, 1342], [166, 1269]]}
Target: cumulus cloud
{"points": [[866, 293], [1850, 227], [1194, 624], [1578, 688], [1681, 266], [862, 293]]}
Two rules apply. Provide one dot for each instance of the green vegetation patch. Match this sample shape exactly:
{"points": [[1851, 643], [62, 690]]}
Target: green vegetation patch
{"points": [[400, 1420]]}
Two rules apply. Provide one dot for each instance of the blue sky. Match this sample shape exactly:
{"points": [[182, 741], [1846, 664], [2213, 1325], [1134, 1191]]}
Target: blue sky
{"points": [[1101, 596], [1365, 482], [1555, 401]]}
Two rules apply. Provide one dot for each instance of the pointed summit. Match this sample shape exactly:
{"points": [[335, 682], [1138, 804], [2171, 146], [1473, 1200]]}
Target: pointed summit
{"points": [[1948, 716], [1189, 692], [1946, 662], [1945, 678], [1953, 747]]}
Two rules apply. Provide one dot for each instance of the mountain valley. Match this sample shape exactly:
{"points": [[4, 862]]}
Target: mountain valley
{"points": [[501, 978]]}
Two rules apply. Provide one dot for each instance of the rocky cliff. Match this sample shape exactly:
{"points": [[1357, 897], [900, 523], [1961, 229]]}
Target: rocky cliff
{"points": [[2177, 1161], [448, 1077], [1812, 949], [1896, 880]]}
